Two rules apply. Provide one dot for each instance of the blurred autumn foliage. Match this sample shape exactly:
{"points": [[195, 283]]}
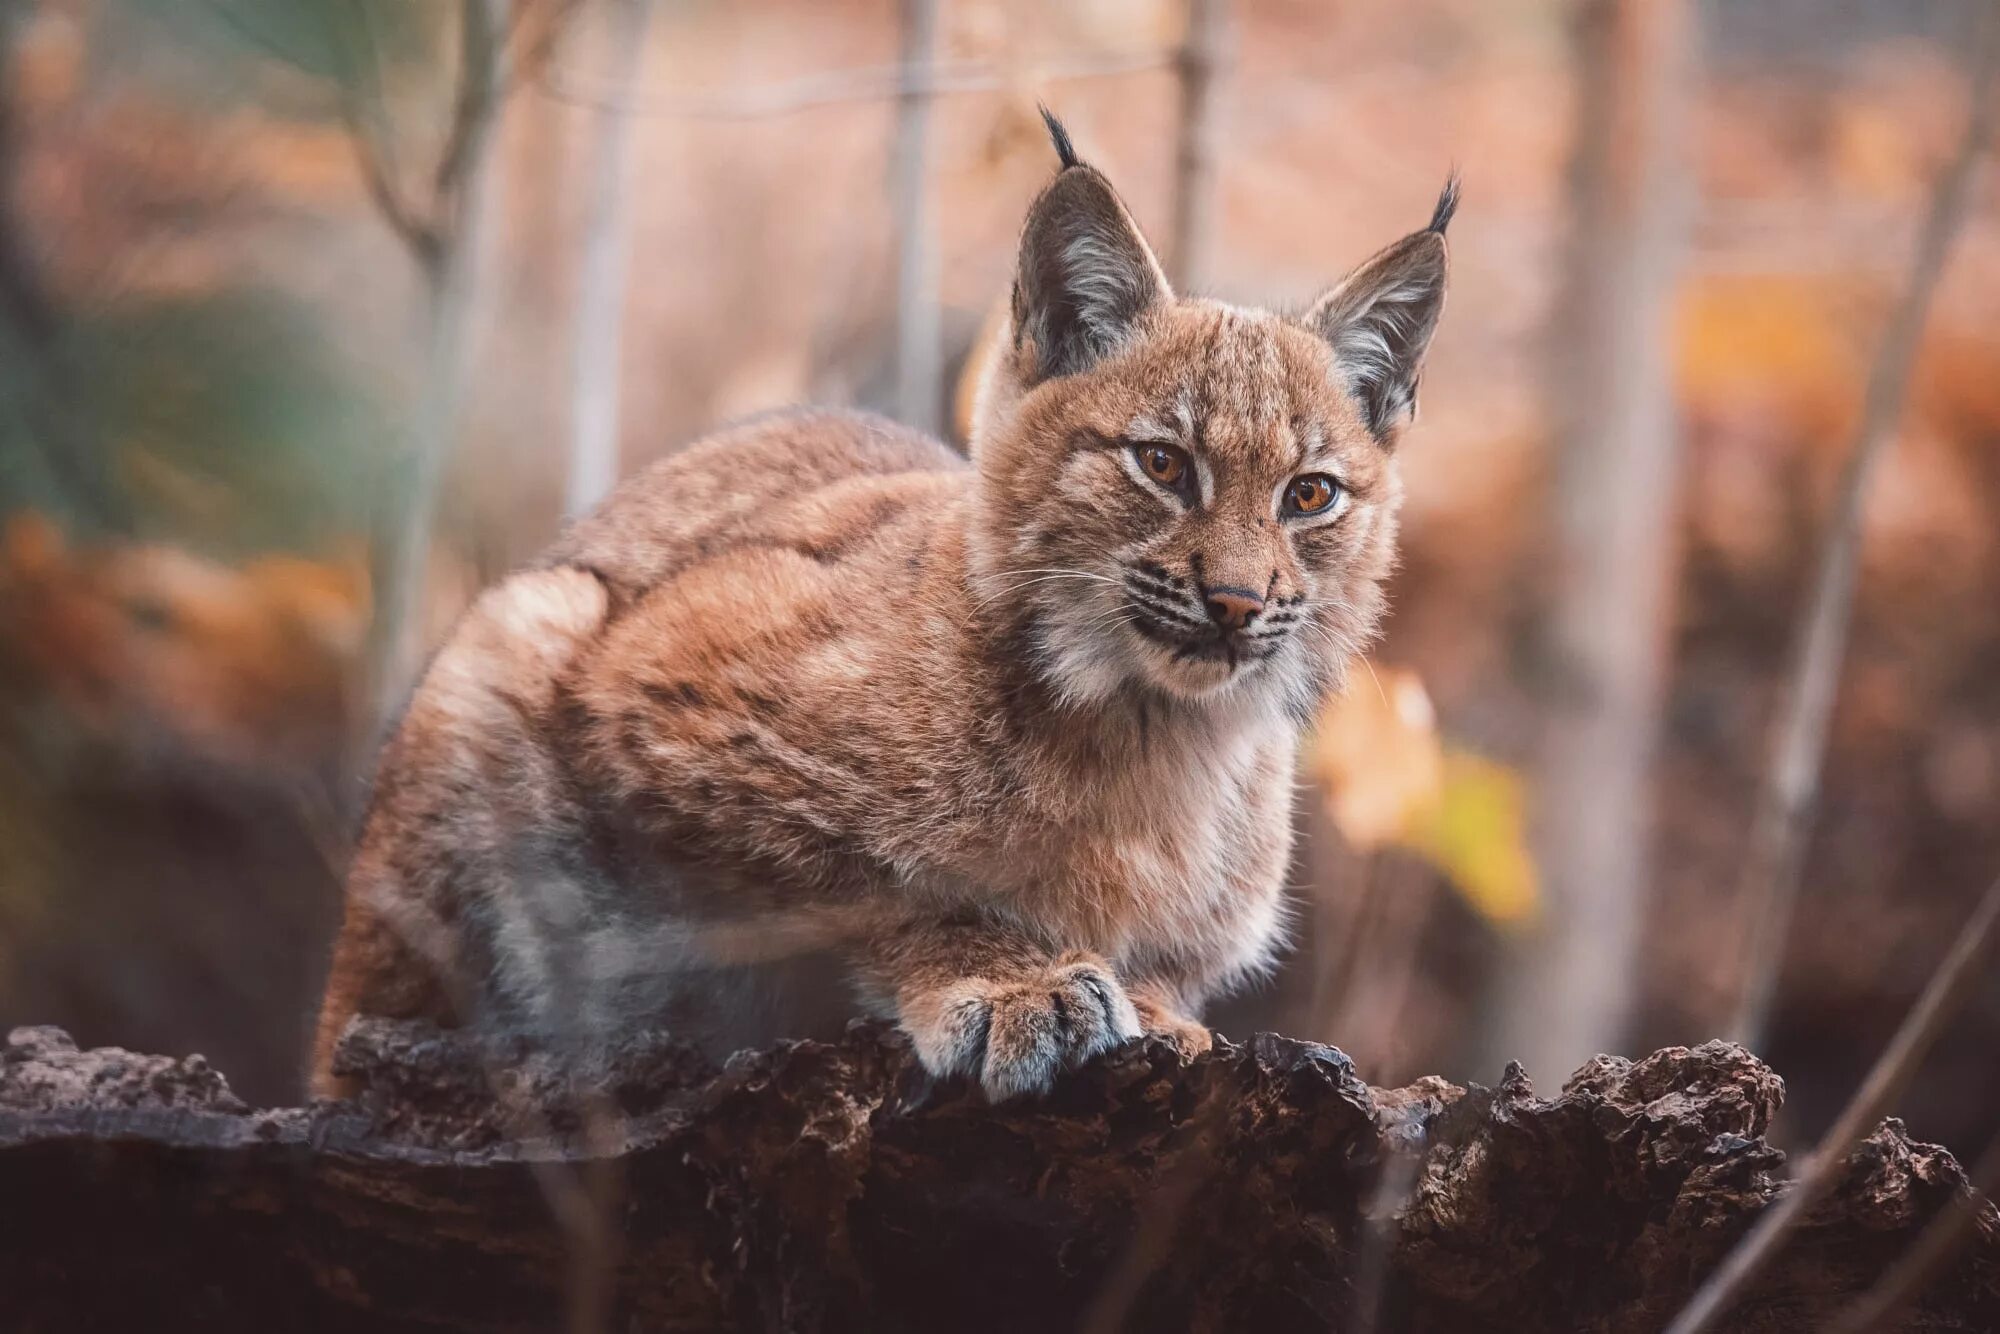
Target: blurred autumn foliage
{"points": [[1390, 780], [243, 664], [212, 350]]}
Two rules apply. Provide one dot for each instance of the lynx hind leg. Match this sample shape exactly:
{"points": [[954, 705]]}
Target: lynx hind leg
{"points": [[982, 1001], [463, 787], [381, 967]]}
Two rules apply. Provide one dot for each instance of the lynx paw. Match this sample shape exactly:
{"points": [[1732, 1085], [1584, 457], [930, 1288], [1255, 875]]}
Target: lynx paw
{"points": [[1017, 1039], [1185, 1036], [1160, 1019]]}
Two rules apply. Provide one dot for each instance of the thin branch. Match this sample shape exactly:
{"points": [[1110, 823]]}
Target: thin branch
{"points": [[371, 64], [537, 49], [1927, 1257], [481, 71], [873, 83], [1159, 1220], [1770, 886], [1946, 992], [582, 1197], [1393, 1193], [372, 151], [416, 233], [402, 550]]}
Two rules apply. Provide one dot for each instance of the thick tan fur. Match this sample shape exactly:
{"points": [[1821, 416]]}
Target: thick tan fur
{"points": [[817, 683]]}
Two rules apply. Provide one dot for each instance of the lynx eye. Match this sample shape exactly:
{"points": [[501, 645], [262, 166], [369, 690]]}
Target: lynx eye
{"points": [[1163, 463], [1314, 493]]}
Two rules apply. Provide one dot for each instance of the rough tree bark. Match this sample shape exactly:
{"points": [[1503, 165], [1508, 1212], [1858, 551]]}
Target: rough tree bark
{"points": [[833, 1186]]}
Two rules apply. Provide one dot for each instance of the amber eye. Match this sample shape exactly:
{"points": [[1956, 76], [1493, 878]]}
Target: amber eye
{"points": [[1163, 463], [1311, 494]]}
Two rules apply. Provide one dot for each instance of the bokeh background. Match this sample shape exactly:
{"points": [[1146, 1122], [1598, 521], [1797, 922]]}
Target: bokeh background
{"points": [[316, 315]]}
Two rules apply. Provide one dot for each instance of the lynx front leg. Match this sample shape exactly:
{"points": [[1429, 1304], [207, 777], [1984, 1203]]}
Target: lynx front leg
{"points": [[1164, 1014], [980, 997]]}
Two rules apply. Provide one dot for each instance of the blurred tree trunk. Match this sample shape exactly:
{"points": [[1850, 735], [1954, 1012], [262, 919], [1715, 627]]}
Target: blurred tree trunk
{"points": [[1203, 53], [607, 226], [1603, 629], [919, 323], [445, 242]]}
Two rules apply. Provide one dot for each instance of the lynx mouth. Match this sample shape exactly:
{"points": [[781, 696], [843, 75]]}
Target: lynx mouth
{"points": [[1190, 648], [1231, 649]]}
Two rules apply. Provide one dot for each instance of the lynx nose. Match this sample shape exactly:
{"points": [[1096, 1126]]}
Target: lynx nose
{"points": [[1232, 608]]}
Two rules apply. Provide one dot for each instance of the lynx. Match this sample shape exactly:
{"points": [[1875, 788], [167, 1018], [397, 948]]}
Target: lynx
{"points": [[1011, 737]]}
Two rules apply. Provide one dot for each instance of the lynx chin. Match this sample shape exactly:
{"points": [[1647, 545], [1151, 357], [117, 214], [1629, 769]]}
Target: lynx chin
{"points": [[1010, 739]]}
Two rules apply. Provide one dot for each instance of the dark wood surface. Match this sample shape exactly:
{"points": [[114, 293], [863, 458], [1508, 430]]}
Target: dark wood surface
{"points": [[833, 1186]]}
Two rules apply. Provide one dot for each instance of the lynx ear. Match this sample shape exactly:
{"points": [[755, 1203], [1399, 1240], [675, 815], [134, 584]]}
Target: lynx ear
{"points": [[1086, 274], [1380, 319]]}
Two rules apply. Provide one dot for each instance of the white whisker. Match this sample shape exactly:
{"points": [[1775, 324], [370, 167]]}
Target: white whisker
{"points": [[1039, 576], [1377, 680]]}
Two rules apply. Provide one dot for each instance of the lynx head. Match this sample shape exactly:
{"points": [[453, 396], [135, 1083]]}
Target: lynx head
{"points": [[1182, 496]]}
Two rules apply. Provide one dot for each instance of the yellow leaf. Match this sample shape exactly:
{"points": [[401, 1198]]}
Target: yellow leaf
{"points": [[1377, 756], [1389, 780], [1476, 833]]}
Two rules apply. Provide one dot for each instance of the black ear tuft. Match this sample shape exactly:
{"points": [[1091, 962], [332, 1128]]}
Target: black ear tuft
{"points": [[1446, 206], [1380, 318], [1064, 148], [1085, 274]]}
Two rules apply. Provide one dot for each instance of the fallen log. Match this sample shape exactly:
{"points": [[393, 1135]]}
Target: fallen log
{"points": [[833, 1186]]}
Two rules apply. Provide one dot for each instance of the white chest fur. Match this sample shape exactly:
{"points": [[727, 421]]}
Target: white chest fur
{"points": [[1182, 854]]}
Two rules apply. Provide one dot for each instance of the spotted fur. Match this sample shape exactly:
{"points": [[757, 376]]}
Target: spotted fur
{"points": [[817, 685]]}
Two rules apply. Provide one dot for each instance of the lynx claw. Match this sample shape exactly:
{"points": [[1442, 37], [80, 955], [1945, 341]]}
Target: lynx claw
{"points": [[1035, 1032], [1188, 1038], [1161, 1019]]}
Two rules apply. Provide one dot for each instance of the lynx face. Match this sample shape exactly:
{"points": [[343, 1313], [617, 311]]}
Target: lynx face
{"points": [[1185, 497]]}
